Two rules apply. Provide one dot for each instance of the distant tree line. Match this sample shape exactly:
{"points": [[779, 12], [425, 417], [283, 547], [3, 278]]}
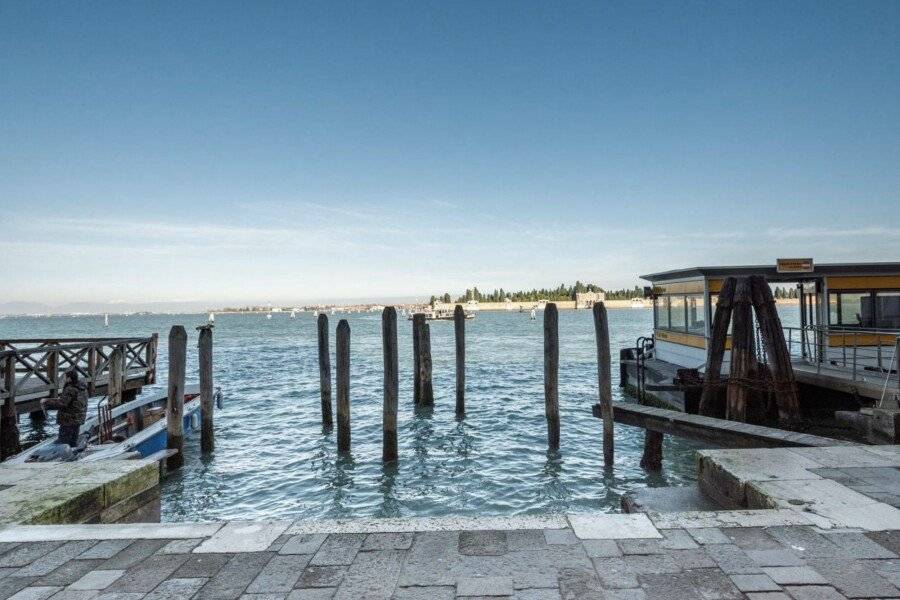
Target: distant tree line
{"points": [[785, 292], [561, 293]]}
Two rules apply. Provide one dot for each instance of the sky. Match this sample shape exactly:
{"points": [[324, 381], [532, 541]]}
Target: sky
{"points": [[251, 152]]}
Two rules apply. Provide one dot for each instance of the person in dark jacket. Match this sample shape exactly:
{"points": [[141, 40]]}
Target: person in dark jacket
{"points": [[71, 407]]}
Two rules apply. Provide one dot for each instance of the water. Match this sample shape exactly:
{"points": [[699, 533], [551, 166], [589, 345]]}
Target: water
{"points": [[272, 459]]}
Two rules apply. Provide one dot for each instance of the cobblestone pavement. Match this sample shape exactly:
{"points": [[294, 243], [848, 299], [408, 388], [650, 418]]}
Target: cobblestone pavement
{"points": [[627, 557]]}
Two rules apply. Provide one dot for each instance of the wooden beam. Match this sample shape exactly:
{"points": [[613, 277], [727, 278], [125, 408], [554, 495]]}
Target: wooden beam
{"points": [[715, 353]]}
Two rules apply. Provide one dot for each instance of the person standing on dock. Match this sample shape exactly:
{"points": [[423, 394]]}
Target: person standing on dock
{"points": [[71, 407]]}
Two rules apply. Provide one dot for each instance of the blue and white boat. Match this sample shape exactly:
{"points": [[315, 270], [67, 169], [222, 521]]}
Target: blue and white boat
{"points": [[135, 429]]}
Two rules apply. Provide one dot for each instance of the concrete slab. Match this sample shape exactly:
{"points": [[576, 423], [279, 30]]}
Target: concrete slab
{"points": [[553, 521], [243, 536], [612, 527], [36, 533]]}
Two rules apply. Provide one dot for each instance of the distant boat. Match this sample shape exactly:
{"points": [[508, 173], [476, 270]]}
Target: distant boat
{"points": [[533, 314], [269, 316], [106, 320], [212, 317], [637, 303]]}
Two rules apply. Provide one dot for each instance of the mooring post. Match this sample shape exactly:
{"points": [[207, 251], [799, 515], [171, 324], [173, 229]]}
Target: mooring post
{"points": [[427, 396], [151, 358], [324, 371], [459, 330], [742, 356], [391, 384], [342, 361], [175, 409], [418, 323], [116, 378], [786, 394], [604, 379], [92, 370], [205, 350], [709, 404], [551, 374], [652, 458], [9, 428]]}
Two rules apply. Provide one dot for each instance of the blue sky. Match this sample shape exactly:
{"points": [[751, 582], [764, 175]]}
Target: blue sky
{"points": [[287, 151]]}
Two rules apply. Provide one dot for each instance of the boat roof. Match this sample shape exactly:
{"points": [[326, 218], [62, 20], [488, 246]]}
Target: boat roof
{"points": [[770, 272]]}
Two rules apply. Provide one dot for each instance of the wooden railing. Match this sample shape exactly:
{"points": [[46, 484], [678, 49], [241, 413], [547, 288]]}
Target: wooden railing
{"points": [[34, 368]]}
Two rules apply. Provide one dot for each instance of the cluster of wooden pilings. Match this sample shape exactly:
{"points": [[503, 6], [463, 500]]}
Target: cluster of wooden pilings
{"points": [[423, 389], [738, 299]]}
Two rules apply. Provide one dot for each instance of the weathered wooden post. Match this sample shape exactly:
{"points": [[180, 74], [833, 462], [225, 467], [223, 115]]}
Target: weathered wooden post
{"points": [[175, 409], [9, 428], [324, 371], [391, 384], [742, 355], [786, 394], [604, 379], [205, 350], [92, 370], [652, 457], [459, 330], [715, 351], [115, 378], [342, 362], [418, 323], [427, 396], [151, 354], [551, 374]]}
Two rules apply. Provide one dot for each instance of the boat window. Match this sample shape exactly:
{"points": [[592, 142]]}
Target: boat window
{"points": [[661, 311], [713, 300], [696, 322], [887, 310], [833, 315], [677, 313], [854, 309]]}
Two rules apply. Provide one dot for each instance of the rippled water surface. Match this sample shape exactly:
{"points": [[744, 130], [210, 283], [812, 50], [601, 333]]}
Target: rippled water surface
{"points": [[273, 460]]}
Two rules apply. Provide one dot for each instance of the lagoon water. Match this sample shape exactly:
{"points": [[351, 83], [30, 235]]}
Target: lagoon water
{"points": [[272, 459]]}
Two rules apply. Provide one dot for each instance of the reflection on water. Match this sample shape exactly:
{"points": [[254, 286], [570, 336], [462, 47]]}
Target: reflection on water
{"points": [[273, 459]]}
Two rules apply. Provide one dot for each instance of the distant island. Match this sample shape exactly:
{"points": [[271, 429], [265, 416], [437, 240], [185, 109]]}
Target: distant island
{"points": [[560, 294]]}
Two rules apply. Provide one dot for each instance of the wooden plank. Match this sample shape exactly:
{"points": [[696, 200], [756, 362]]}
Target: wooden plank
{"points": [[604, 380], [342, 366], [207, 404], [716, 432], [459, 331], [324, 371], [742, 355], [175, 407], [709, 404], [391, 384], [551, 374]]}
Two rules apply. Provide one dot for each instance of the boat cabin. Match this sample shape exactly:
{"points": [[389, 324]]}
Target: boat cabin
{"points": [[845, 314]]}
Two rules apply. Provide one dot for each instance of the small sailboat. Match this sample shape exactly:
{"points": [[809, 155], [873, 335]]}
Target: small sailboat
{"points": [[106, 320], [294, 314], [269, 316], [212, 317], [533, 314]]}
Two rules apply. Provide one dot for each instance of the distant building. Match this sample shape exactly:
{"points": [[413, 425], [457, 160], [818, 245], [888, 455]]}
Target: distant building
{"points": [[588, 299]]}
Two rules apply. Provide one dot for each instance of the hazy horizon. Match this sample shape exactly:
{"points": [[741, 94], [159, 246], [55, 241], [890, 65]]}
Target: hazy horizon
{"points": [[184, 153]]}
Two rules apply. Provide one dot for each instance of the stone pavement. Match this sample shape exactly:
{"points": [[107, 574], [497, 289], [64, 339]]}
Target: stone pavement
{"points": [[754, 554]]}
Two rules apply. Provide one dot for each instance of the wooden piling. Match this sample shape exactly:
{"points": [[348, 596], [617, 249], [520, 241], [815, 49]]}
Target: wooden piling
{"points": [[604, 379], [551, 374], [9, 426], [391, 384], [342, 365], [324, 371], [427, 395], [652, 457], [742, 355], [207, 402], [459, 331], [175, 409], [709, 404], [116, 378], [786, 395], [418, 322]]}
